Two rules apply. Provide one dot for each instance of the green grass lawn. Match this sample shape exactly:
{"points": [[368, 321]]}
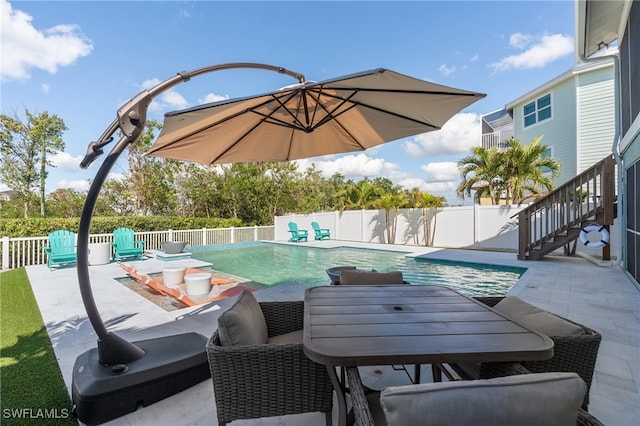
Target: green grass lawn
{"points": [[32, 390]]}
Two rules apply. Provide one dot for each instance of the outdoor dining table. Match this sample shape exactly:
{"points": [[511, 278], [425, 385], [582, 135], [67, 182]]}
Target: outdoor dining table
{"points": [[361, 325]]}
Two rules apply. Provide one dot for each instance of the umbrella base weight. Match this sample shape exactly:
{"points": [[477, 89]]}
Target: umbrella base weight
{"points": [[170, 365]]}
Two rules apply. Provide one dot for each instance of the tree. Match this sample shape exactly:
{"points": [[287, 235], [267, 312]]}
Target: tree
{"points": [[115, 193], [361, 195], [315, 191], [198, 191], [481, 172], [24, 152], [284, 189], [336, 186], [517, 171], [391, 202], [527, 172], [13, 208], [150, 178], [65, 202], [429, 204]]}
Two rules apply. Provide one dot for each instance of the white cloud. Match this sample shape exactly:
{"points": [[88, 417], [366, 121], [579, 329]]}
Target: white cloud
{"points": [[359, 165], [442, 172], [353, 166], [446, 71], [474, 58], [44, 88], [457, 136], [183, 14], [438, 188], [169, 100], [413, 149], [519, 40], [66, 161], [413, 182], [24, 47], [115, 176], [149, 83], [173, 99], [540, 53], [212, 97], [78, 185]]}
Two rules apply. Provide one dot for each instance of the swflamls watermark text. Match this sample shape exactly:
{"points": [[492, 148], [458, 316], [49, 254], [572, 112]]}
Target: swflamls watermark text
{"points": [[36, 413]]}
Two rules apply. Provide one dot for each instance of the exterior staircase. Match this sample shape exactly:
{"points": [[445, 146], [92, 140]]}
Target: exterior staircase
{"points": [[557, 219]]}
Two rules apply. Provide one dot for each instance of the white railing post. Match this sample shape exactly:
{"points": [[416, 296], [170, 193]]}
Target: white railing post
{"points": [[204, 236], [5, 252], [171, 235], [255, 232], [233, 235]]}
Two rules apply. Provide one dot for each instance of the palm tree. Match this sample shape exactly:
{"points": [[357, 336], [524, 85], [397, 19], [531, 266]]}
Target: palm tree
{"points": [[526, 171], [429, 204], [358, 196], [481, 172], [390, 202], [519, 171]]}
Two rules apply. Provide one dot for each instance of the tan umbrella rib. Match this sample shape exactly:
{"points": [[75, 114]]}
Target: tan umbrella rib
{"points": [[351, 113]]}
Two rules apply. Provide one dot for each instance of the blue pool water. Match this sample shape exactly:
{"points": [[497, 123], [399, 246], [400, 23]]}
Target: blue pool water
{"points": [[272, 264]]}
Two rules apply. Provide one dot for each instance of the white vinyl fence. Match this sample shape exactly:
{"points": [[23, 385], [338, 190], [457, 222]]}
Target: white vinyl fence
{"points": [[17, 252], [477, 227], [483, 227]]}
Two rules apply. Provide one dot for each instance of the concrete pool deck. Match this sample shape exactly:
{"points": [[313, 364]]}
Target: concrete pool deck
{"points": [[603, 298]]}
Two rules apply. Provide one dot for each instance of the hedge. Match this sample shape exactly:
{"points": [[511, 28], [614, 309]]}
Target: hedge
{"points": [[37, 227]]}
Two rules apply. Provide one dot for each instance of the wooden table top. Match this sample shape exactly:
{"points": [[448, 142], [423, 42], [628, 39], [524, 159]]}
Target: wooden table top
{"points": [[411, 324]]}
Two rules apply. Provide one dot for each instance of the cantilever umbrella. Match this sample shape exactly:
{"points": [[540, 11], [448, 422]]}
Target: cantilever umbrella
{"points": [[309, 119]]}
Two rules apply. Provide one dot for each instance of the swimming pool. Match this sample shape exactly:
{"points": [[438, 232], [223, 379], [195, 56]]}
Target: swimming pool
{"points": [[272, 264]]}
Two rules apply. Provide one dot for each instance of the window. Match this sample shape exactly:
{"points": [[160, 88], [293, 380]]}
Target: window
{"points": [[547, 154], [537, 111]]}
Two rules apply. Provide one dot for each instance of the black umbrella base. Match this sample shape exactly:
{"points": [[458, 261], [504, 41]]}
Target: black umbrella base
{"points": [[170, 365]]}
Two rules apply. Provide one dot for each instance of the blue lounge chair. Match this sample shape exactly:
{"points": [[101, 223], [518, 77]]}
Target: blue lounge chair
{"points": [[61, 249], [125, 245], [321, 233], [297, 235]]}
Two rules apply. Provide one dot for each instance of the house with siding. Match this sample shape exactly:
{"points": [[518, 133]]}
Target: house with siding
{"points": [[599, 24], [575, 114]]}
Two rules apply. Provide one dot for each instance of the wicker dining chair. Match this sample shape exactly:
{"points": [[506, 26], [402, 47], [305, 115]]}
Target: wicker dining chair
{"points": [[576, 354], [367, 409], [265, 380]]}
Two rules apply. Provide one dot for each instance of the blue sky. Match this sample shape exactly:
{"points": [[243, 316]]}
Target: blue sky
{"points": [[81, 60]]}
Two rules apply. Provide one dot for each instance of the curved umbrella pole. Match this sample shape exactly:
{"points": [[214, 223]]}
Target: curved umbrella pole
{"points": [[131, 121], [112, 380]]}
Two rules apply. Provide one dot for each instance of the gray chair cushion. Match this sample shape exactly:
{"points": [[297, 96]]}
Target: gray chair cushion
{"points": [[354, 276], [243, 323], [550, 399], [537, 319], [295, 338]]}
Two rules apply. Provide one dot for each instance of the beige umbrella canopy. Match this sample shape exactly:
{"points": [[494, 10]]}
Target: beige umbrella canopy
{"points": [[309, 119]]}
